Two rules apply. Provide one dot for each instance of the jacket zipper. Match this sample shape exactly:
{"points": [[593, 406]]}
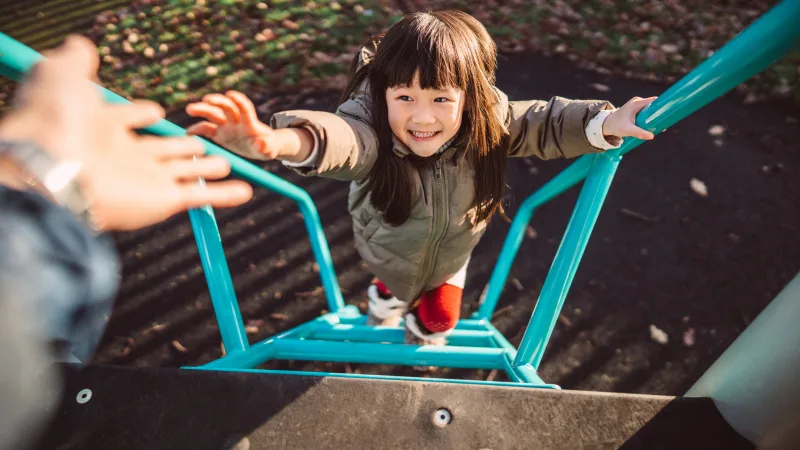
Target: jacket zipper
{"points": [[440, 220]]}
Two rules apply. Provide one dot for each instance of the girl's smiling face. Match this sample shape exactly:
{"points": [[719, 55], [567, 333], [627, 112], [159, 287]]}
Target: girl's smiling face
{"points": [[424, 119]]}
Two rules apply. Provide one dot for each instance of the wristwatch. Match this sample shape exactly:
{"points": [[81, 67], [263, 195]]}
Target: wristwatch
{"points": [[57, 178]]}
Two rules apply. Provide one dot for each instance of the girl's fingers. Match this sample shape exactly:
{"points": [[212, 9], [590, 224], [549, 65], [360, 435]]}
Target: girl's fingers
{"points": [[206, 111], [205, 129], [218, 194], [640, 133], [248, 111], [225, 104], [640, 103]]}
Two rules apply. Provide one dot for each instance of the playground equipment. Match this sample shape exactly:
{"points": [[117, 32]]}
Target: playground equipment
{"points": [[342, 336]]}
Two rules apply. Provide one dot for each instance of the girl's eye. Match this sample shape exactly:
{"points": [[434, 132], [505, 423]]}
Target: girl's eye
{"points": [[441, 99], [404, 98]]}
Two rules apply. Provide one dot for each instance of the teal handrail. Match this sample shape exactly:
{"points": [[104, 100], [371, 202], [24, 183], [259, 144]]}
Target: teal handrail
{"points": [[754, 49]]}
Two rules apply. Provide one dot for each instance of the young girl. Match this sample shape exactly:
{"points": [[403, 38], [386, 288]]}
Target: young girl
{"points": [[423, 135]]}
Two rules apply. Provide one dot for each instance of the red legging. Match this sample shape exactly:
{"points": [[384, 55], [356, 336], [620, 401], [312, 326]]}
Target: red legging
{"points": [[439, 309]]}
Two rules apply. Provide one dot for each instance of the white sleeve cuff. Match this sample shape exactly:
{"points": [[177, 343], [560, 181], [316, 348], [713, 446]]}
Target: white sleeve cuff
{"points": [[311, 161], [594, 132]]}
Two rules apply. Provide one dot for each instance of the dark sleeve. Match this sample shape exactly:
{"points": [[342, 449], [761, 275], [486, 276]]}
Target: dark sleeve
{"points": [[52, 265]]}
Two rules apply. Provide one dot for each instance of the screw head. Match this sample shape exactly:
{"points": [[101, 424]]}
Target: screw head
{"points": [[442, 417], [84, 396]]}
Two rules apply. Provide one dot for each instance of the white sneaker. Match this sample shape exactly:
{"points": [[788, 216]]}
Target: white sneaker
{"points": [[383, 311], [415, 334]]}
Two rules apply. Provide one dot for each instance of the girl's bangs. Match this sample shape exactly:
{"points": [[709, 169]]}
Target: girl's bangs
{"points": [[428, 53]]}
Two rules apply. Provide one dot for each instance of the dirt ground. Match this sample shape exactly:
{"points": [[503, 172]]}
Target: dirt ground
{"points": [[660, 253]]}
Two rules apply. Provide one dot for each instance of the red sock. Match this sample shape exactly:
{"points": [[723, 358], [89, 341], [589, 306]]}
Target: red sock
{"points": [[440, 308], [383, 291]]}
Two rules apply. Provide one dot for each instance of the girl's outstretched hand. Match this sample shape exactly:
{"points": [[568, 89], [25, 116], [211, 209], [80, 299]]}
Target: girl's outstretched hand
{"points": [[232, 122], [622, 122]]}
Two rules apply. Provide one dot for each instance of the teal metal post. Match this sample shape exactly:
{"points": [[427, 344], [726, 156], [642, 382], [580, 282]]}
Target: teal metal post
{"points": [[756, 382], [569, 177], [218, 277], [568, 256], [754, 49]]}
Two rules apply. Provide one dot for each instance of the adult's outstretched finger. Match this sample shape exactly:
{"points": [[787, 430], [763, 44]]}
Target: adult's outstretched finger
{"points": [[218, 194]]}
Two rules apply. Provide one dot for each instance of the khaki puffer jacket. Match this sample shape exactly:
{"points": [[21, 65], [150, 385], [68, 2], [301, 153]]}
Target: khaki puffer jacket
{"points": [[438, 238]]}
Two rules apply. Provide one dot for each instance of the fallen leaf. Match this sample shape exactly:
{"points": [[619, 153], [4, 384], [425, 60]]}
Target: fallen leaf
{"points": [[279, 316], [689, 337], [268, 34], [636, 215], [600, 87], [316, 291], [251, 330], [531, 232], [564, 320], [179, 347], [515, 282], [154, 328], [698, 187], [658, 336], [669, 48], [716, 130], [290, 25]]}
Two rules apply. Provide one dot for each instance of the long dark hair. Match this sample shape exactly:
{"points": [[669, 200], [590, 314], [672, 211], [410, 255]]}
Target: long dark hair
{"points": [[446, 49]]}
